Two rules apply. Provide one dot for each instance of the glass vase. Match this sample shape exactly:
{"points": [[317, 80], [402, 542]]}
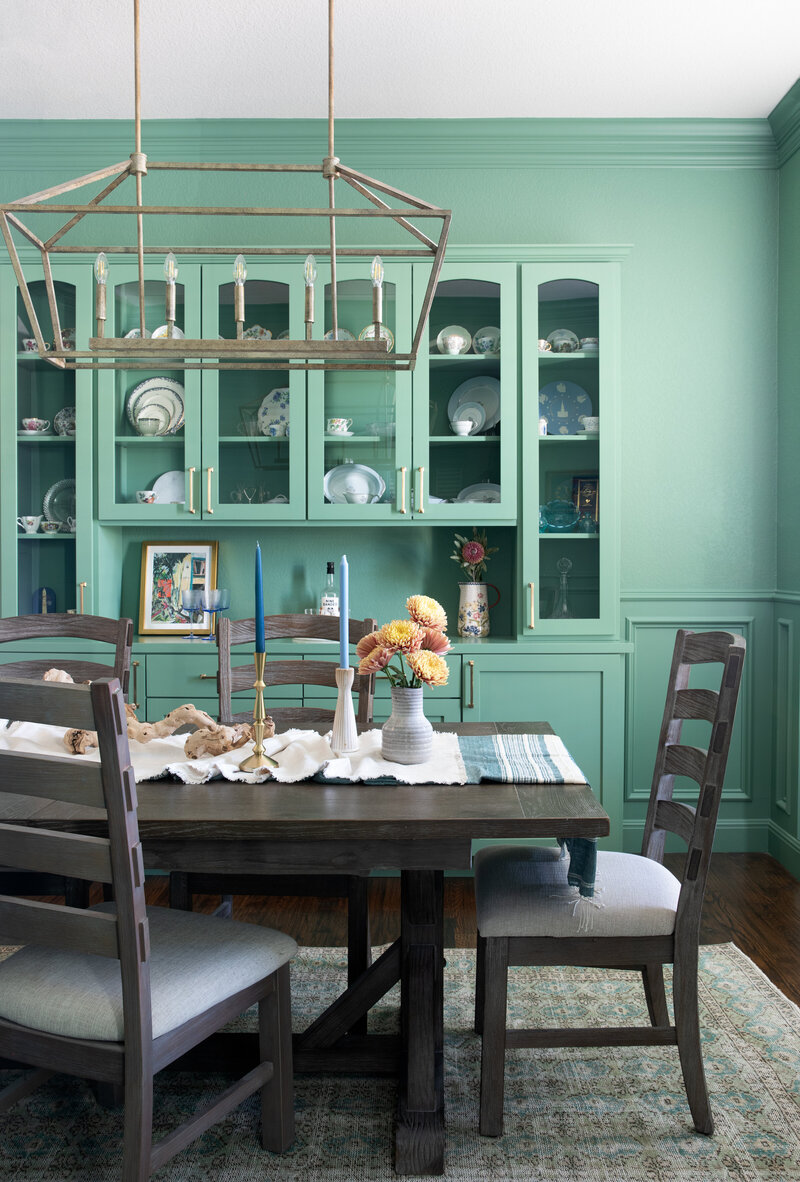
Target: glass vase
{"points": [[407, 735]]}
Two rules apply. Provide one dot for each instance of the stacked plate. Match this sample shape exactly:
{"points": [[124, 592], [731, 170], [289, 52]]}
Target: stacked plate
{"points": [[354, 479], [159, 403], [473, 398]]}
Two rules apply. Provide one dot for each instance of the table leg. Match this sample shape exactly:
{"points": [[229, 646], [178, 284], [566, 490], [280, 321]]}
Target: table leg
{"points": [[419, 1144]]}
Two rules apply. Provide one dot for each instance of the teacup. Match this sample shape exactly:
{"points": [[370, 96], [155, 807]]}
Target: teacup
{"points": [[544, 346], [29, 345], [51, 527], [148, 426], [356, 498], [339, 426], [461, 426], [590, 423], [146, 496], [30, 523], [276, 430], [39, 426]]}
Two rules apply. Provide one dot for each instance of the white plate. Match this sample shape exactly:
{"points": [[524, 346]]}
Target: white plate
{"points": [[368, 334], [352, 478], [485, 391], [480, 494], [474, 413], [342, 334], [59, 501], [177, 334], [170, 488], [136, 333], [563, 404], [256, 333], [274, 409], [166, 392]]}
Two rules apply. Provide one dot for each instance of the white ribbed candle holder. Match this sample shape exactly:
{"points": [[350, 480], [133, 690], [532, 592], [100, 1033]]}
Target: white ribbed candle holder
{"points": [[345, 732]]}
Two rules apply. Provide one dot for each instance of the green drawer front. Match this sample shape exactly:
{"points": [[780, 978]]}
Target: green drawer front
{"points": [[184, 677]]}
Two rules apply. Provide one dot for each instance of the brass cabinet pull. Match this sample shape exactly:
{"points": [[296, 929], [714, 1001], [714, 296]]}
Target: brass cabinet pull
{"points": [[208, 491], [191, 490], [403, 489], [421, 508], [207, 676], [471, 702], [533, 622], [135, 667], [81, 588]]}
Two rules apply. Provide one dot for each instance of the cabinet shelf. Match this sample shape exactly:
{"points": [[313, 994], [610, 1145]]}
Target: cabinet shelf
{"points": [[560, 358], [139, 440], [572, 537], [39, 439], [465, 439], [59, 537], [550, 439]]}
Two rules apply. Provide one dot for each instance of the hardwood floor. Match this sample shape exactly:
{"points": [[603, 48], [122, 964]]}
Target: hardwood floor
{"points": [[751, 901]]}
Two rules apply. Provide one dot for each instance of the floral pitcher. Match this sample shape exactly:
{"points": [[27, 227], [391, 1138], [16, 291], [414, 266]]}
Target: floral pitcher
{"points": [[474, 607]]}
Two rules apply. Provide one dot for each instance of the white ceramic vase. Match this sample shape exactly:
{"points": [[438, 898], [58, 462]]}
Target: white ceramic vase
{"points": [[407, 735]]}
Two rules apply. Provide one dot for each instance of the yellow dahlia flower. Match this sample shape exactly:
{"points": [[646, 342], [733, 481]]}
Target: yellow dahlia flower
{"points": [[427, 612], [366, 644], [403, 636], [428, 667]]}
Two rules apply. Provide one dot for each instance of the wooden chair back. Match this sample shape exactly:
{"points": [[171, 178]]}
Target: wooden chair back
{"points": [[115, 859], [232, 679], [117, 633], [706, 766]]}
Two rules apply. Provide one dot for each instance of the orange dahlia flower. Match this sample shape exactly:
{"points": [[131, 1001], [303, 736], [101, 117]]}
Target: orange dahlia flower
{"points": [[429, 667], [427, 612]]}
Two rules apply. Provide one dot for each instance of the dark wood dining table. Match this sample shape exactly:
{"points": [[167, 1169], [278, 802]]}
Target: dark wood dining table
{"points": [[419, 830]]}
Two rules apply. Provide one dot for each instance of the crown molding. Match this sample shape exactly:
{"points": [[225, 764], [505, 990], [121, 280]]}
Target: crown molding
{"points": [[784, 120], [80, 145]]}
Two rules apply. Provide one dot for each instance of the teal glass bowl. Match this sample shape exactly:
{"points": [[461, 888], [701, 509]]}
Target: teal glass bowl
{"points": [[560, 516]]}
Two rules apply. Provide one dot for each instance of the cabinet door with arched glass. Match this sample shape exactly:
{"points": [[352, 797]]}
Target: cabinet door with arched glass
{"points": [[47, 476], [254, 416], [570, 566], [359, 426], [149, 428], [465, 387]]}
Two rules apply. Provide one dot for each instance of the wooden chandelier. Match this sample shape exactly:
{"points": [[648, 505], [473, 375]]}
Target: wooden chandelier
{"points": [[205, 353]]}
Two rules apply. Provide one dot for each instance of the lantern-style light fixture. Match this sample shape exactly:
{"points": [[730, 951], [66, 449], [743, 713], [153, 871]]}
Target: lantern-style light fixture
{"points": [[173, 349]]}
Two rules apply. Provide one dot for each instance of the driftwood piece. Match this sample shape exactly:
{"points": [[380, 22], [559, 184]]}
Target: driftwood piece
{"points": [[217, 740]]}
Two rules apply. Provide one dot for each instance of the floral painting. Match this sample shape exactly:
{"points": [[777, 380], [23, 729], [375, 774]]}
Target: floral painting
{"points": [[169, 569]]}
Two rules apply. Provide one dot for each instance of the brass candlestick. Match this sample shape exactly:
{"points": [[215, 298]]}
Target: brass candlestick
{"points": [[258, 759]]}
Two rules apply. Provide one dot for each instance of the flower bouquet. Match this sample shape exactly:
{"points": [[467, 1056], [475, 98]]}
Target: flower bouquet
{"points": [[410, 653]]}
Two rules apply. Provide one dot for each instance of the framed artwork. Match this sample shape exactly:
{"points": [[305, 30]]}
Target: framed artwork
{"points": [[584, 494], [168, 568]]}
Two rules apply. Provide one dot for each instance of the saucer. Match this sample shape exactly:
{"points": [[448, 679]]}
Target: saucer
{"points": [[28, 434], [338, 434]]}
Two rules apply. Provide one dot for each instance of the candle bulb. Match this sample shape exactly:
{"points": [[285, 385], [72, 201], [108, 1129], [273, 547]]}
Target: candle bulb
{"points": [[239, 276], [376, 275], [310, 275], [260, 639], [344, 613], [101, 276], [170, 274]]}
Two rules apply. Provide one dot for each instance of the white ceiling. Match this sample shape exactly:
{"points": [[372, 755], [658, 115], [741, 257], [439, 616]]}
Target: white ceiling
{"points": [[73, 59]]}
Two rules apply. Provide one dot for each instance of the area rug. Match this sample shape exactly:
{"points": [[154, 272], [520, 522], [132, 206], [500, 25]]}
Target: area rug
{"points": [[600, 1115]]}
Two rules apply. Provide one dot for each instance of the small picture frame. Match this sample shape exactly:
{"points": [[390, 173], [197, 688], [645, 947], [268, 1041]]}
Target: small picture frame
{"points": [[585, 495], [167, 569]]}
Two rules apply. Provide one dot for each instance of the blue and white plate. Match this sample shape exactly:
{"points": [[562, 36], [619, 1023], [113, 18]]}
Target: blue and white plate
{"points": [[274, 409], [563, 404]]}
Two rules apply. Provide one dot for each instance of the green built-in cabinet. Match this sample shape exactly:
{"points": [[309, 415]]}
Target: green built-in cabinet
{"points": [[224, 469]]}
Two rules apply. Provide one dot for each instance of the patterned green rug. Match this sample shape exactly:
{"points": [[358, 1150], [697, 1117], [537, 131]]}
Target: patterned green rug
{"points": [[599, 1115]]}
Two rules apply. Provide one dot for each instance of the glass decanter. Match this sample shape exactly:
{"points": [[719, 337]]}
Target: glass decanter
{"points": [[561, 609]]}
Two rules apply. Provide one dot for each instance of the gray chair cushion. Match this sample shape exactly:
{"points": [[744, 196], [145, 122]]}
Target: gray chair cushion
{"points": [[196, 961], [523, 891]]}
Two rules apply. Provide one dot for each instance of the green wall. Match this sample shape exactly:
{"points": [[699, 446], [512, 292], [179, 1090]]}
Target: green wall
{"points": [[704, 462]]}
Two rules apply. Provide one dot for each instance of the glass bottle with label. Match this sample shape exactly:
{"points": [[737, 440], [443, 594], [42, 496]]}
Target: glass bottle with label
{"points": [[329, 599]]}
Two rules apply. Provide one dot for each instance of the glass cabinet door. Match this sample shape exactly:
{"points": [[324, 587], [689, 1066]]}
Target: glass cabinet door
{"points": [[254, 423], [149, 427], [359, 428], [569, 478], [52, 461], [465, 405]]}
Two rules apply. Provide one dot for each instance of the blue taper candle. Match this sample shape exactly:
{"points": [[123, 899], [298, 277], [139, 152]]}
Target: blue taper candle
{"points": [[344, 613], [260, 644]]}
